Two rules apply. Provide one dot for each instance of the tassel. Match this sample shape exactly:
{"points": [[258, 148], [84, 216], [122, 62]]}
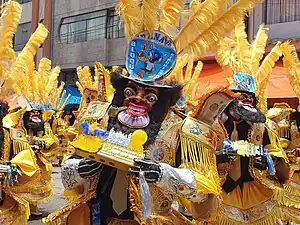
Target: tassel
{"points": [[195, 155], [234, 134]]}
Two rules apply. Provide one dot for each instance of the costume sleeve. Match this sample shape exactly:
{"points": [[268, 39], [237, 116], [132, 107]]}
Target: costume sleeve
{"points": [[279, 157], [196, 182], [77, 171], [272, 143]]}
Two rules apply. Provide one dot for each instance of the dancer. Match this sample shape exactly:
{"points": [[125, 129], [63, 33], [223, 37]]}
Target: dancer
{"points": [[252, 165]]}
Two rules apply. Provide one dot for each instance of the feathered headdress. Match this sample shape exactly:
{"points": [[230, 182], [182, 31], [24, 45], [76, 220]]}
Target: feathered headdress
{"points": [[99, 83], [292, 63], [244, 60], [39, 87], [160, 32], [10, 15]]}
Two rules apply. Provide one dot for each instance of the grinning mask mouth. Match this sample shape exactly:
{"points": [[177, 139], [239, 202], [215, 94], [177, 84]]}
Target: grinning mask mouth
{"points": [[35, 116], [246, 101], [138, 102]]}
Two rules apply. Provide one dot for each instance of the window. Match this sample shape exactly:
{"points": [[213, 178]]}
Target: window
{"points": [[83, 27], [22, 36], [113, 26], [281, 11], [90, 26], [24, 1]]}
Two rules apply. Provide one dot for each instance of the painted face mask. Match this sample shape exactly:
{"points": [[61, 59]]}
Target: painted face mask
{"points": [[138, 101], [244, 106]]}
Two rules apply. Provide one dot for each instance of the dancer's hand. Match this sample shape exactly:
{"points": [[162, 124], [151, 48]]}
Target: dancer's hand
{"points": [[152, 170]]}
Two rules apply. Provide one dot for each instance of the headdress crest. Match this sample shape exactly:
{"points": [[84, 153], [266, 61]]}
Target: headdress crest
{"points": [[244, 60], [162, 31]]}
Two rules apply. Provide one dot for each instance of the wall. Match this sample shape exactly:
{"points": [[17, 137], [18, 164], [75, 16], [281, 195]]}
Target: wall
{"points": [[278, 31], [27, 12], [69, 56]]}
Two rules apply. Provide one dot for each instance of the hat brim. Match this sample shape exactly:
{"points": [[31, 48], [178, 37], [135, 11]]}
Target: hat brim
{"points": [[155, 84]]}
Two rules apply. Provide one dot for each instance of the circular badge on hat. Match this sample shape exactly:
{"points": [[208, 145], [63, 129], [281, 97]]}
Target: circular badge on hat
{"points": [[150, 56]]}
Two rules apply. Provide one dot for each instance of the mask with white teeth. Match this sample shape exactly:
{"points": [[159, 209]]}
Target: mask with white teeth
{"points": [[138, 102], [245, 107]]}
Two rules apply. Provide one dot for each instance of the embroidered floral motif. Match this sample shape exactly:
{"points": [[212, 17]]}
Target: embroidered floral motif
{"points": [[195, 129]]}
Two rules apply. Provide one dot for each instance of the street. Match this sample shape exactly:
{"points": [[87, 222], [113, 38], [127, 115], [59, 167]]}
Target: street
{"points": [[55, 203]]}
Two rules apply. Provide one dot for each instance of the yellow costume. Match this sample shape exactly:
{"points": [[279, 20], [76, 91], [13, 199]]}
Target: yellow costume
{"points": [[288, 133], [38, 96], [248, 188], [195, 183], [14, 207]]}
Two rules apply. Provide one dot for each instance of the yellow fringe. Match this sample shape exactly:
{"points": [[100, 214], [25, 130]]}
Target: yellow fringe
{"points": [[202, 160], [21, 214], [19, 146], [289, 216], [287, 197], [270, 219], [59, 217]]}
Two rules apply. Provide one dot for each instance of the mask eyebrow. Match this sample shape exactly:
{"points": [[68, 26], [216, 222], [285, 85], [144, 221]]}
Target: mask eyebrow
{"points": [[151, 90], [132, 85]]}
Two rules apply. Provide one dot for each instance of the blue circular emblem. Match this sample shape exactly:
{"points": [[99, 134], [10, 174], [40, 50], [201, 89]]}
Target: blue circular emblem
{"points": [[150, 56]]}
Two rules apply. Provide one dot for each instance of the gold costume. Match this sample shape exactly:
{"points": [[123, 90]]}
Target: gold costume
{"points": [[195, 184], [14, 207], [288, 133], [248, 193]]}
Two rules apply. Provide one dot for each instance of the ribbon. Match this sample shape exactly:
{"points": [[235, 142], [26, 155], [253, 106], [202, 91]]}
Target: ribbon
{"points": [[145, 196]]}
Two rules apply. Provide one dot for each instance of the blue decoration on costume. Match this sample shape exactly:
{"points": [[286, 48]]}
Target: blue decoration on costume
{"points": [[150, 57], [101, 133], [96, 209], [42, 107], [85, 127], [243, 82], [271, 166]]}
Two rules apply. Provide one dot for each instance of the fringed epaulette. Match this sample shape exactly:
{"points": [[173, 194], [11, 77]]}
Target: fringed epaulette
{"points": [[198, 143]]}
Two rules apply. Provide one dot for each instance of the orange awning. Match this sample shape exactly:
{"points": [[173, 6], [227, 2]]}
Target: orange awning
{"points": [[214, 76]]}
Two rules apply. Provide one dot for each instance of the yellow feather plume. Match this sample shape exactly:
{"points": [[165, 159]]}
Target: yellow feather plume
{"points": [[177, 72], [225, 56], [170, 15], [129, 11], [43, 73], [242, 51], [53, 79], [210, 37], [100, 70], [85, 79], [258, 47], [191, 87], [292, 63], [201, 20], [33, 81], [149, 13], [20, 67], [263, 73], [10, 17]]}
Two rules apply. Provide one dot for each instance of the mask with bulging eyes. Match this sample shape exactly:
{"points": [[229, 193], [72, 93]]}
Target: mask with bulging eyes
{"points": [[139, 101]]}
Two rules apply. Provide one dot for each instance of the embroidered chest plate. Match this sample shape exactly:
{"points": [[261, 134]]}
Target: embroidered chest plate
{"points": [[256, 133], [18, 134], [165, 147]]}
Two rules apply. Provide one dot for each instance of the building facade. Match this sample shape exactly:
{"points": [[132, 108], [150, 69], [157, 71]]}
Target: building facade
{"points": [[282, 17], [86, 31]]}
